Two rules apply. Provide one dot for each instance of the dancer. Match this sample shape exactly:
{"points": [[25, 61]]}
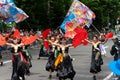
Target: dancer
{"points": [[51, 59], [65, 66], [43, 52], [17, 60], [96, 59]]}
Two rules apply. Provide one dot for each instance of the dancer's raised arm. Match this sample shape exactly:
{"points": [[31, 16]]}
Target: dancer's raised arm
{"points": [[89, 41]]}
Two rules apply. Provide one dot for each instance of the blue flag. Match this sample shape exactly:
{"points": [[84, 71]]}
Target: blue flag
{"points": [[10, 13]]}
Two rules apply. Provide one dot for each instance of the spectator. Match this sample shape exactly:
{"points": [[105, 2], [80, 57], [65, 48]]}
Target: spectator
{"points": [[115, 50]]}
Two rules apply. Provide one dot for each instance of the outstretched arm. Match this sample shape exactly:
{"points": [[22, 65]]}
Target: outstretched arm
{"points": [[21, 44], [104, 41], [89, 41], [9, 44], [69, 45], [56, 44]]}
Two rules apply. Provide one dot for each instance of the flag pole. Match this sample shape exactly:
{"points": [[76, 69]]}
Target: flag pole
{"points": [[95, 28]]}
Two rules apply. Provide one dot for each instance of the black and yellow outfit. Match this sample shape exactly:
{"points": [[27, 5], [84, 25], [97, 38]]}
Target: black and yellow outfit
{"points": [[65, 66], [96, 60]]}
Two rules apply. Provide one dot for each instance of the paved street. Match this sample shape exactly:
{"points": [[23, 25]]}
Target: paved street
{"points": [[82, 55]]}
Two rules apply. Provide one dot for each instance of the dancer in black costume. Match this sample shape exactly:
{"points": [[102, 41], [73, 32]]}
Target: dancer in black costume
{"points": [[65, 66], [50, 64], [43, 52], [17, 60], [96, 59]]}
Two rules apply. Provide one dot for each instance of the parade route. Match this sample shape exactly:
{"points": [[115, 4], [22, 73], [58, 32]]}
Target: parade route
{"points": [[59, 39], [82, 55]]}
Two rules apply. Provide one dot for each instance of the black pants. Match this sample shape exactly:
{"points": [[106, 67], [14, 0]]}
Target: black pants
{"points": [[15, 67], [0, 56], [18, 68]]}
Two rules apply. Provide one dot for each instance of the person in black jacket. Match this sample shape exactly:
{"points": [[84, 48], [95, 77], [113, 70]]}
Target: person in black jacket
{"points": [[1, 56], [115, 50]]}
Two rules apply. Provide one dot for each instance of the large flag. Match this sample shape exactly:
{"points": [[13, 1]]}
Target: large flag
{"points": [[10, 13], [78, 14], [8, 2]]}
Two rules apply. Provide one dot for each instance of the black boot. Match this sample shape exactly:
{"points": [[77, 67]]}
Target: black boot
{"points": [[94, 77], [50, 76], [28, 72], [38, 58], [60, 78], [71, 79], [1, 63], [56, 74]]}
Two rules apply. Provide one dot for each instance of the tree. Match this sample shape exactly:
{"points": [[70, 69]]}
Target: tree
{"points": [[105, 10], [51, 13]]}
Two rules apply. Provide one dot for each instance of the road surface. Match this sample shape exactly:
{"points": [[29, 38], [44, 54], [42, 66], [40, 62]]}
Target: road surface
{"points": [[82, 55]]}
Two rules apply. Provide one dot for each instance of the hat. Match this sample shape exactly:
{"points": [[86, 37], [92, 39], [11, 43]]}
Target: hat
{"points": [[115, 66]]}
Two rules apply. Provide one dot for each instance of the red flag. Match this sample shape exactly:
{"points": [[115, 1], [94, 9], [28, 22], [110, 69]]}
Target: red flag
{"points": [[2, 40], [45, 33], [79, 38], [16, 33], [109, 35], [26, 40], [85, 43], [29, 40], [46, 44], [23, 38], [79, 30], [70, 34]]}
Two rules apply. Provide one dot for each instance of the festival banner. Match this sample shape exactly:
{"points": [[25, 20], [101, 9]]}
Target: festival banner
{"points": [[78, 14], [8, 2], [10, 13]]}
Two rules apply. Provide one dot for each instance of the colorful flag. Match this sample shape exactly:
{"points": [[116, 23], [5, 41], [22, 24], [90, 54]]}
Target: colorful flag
{"points": [[10, 13], [78, 13], [8, 2]]}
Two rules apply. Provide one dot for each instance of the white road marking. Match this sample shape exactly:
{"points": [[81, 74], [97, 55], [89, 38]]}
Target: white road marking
{"points": [[5, 62], [109, 76], [106, 78]]}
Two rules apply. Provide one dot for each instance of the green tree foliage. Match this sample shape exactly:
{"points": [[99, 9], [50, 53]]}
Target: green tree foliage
{"points": [[44, 13], [106, 11], [51, 13]]}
